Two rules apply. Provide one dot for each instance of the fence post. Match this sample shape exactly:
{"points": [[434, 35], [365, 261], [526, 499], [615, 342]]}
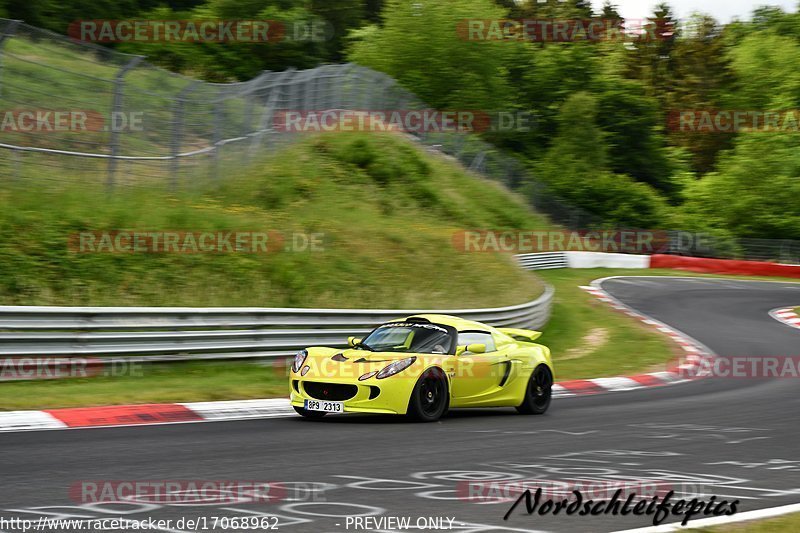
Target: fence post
{"points": [[219, 109], [8, 32], [309, 85], [116, 109], [268, 112], [341, 86], [177, 132], [477, 163], [247, 120]]}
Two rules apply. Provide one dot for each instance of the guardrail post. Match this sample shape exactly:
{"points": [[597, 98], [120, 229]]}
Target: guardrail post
{"points": [[177, 132], [116, 109], [8, 32]]}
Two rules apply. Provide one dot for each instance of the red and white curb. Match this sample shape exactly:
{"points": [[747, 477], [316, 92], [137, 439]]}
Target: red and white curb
{"points": [[146, 414], [687, 369], [788, 316], [690, 367]]}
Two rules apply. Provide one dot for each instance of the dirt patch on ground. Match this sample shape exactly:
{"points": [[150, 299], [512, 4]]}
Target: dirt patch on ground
{"points": [[594, 339]]}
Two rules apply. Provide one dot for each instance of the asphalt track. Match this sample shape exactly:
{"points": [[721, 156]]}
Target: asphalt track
{"points": [[733, 438]]}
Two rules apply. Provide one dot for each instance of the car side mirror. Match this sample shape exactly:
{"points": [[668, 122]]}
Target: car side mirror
{"points": [[472, 348], [476, 348], [353, 341]]}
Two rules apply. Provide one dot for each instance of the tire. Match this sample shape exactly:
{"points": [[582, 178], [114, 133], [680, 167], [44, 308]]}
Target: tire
{"points": [[538, 393], [430, 398], [309, 414]]}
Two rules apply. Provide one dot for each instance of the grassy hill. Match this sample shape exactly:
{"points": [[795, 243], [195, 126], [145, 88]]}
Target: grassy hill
{"points": [[386, 207]]}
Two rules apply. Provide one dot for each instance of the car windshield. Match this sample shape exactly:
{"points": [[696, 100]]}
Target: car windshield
{"points": [[410, 337]]}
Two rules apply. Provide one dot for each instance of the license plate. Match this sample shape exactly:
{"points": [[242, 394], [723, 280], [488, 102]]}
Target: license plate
{"points": [[324, 406]]}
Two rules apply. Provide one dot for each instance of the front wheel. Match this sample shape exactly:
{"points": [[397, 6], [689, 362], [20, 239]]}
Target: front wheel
{"points": [[538, 392], [309, 414], [430, 397]]}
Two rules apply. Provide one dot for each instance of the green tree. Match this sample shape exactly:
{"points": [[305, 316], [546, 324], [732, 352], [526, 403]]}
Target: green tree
{"points": [[763, 65], [224, 62], [610, 11], [635, 142], [529, 9], [419, 44], [341, 16], [702, 81], [373, 10], [652, 60], [545, 76], [755, 192], [576, 168]]}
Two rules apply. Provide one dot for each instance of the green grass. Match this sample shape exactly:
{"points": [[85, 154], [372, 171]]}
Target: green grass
{"points": [[781, 524], [387, 209]]}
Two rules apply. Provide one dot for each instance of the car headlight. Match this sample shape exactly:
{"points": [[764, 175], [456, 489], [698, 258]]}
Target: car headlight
{"points": [[299, 359], [394, 368]]}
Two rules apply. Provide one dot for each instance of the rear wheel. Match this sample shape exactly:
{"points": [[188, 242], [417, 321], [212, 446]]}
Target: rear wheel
{"points": [[309, 414], [430, 397], [538, 392]]}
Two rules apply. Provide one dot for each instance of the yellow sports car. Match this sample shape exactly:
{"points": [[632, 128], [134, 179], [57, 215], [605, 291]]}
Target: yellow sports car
{"points": [[423, 365]]}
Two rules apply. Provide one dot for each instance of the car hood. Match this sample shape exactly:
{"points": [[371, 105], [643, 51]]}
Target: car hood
{"points": [[365, 356], [327, 362]]}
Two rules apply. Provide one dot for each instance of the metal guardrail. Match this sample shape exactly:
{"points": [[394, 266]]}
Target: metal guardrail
{"points": [[158, 335], [542, 261]]}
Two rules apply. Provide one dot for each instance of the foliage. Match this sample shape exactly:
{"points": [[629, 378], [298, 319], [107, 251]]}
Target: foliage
{"points": [[755, 191], [419, 45], [577, 168]]}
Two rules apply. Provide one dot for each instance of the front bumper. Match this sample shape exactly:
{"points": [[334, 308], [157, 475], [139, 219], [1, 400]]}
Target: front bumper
{"points": [[388, 396]]}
